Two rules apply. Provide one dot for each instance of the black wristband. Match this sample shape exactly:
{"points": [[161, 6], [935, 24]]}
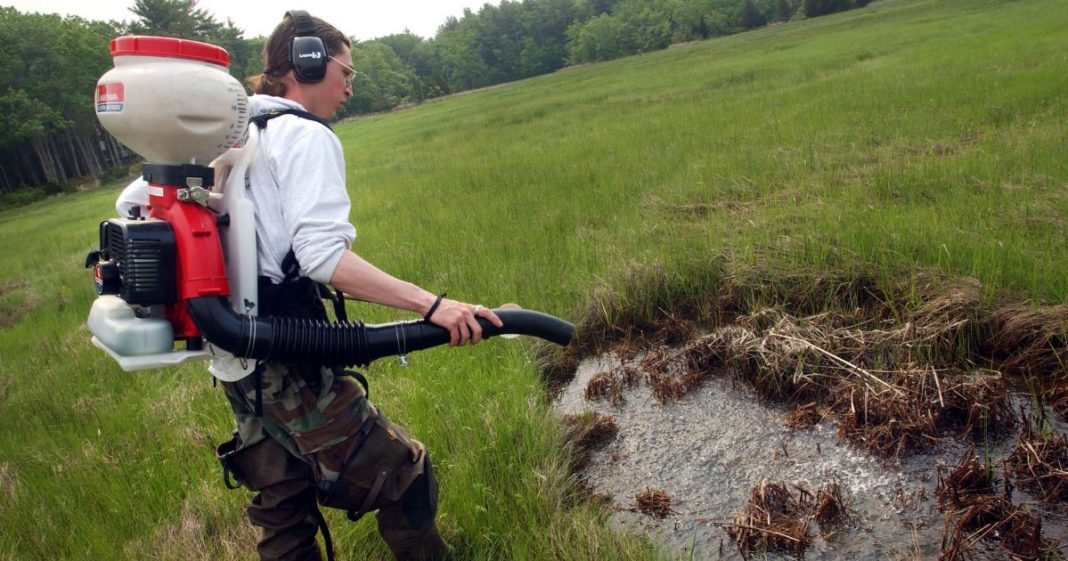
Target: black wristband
{"points": [[433, 307]]}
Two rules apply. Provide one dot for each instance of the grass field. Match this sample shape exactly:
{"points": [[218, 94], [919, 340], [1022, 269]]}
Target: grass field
{"points": [[911, 134]]}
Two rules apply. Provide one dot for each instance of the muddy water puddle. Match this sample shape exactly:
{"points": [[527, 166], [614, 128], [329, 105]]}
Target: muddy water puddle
{"points": [[710, 448]]}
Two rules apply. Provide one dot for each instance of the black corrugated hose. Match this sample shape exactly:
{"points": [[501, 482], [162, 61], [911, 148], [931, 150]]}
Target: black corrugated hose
{"points": [[347, 343]]}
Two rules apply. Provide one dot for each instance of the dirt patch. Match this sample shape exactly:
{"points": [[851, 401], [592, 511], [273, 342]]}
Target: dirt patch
{"points": [[16, 300], [11, 286], [10, 483]]}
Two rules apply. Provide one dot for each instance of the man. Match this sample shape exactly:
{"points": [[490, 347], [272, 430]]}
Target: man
{"points": [[307, 434]]}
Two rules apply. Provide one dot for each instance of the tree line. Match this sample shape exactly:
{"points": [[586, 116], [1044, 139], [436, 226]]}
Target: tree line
{"points": [[50, 134], [521, 39]]}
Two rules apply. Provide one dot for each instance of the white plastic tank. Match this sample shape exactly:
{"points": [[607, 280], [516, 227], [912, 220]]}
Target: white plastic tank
{"points": [[117, 326], [170, 100]]}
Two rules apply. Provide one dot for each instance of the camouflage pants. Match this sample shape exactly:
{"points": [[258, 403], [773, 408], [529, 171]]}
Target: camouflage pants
{"points": [[319, 440]]}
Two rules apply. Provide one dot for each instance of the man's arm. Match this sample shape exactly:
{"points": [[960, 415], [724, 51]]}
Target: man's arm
{"points": [[363, 281]]}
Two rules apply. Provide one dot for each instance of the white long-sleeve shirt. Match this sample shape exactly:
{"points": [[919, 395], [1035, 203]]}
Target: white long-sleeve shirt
{"points": [[297, 185]]}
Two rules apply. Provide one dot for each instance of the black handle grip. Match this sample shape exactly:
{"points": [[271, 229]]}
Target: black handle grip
{"points": [[403, 337]]}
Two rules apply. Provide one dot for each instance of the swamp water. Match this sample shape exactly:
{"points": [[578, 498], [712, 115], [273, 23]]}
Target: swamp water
{"points": [[710, 448]]}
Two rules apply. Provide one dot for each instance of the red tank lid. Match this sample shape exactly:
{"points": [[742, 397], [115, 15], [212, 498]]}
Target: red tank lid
{"points": [[142, 45]]}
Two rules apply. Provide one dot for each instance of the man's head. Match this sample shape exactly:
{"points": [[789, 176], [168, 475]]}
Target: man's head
{"points": [[296, 68]]}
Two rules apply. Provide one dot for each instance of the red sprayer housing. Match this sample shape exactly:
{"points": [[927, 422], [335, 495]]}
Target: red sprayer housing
{"points": [[200, 268]]}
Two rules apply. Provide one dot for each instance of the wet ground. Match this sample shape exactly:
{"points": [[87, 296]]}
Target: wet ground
{"points": [[709, 449]]}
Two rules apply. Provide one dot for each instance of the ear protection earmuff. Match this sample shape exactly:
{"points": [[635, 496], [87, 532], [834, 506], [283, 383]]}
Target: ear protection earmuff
{"points": [[307, 53]]}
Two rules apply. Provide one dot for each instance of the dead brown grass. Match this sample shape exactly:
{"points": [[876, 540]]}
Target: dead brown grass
{"points": [[844, 368], [780, 520], [655, 503], [931, 405], [206, 529], [1017, 531], [898, 367], [833, 366], [957, 487], [830, 509], [671, 374], [673, 331], [1030, 339], [606, 385], [1055, 393], [16, 300], [976, 515], [590, 430], [10, 483], [585, 433], [804, 416], [1040, 460], [936, 321]]}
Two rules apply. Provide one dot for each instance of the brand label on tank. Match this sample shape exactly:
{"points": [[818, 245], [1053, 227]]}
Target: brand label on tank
{"points": [[110, 97]]}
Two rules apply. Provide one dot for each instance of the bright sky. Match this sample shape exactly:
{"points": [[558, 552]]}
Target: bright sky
{"points": [[363, 19]]}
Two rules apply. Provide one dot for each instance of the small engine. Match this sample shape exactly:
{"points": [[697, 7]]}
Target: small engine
{"points": [[136, 261]]}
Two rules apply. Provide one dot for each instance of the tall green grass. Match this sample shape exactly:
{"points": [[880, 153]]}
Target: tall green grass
{"points": [[909, 134]]}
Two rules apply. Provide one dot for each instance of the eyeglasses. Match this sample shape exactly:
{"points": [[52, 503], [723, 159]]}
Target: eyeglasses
{"points": [[350, 72]]}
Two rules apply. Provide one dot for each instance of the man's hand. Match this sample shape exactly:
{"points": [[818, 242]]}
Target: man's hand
{"points": [[460, 319]]}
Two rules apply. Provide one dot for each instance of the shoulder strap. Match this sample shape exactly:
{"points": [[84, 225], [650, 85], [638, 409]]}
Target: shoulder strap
{"points": [[291, 270], [290, 265], [261, 119]]}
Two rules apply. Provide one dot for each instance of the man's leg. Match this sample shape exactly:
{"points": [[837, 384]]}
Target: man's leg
{"points": [[408, 526], [285, 509]]}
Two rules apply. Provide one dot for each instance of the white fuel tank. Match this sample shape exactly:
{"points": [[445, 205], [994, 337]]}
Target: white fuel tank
{"points": [[170, 100]]}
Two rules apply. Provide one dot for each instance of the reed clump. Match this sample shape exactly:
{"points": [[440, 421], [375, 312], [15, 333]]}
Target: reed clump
{"points": [[591, 430], [585, 433], [1039, 460], [778, 519], [606, 385], [1030, 339], [977, 517], [846, 371], [654, 502], [804, 416]]}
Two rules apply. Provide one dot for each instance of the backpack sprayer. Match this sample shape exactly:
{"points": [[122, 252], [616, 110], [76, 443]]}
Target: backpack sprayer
{"points": [[187, 272]]}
